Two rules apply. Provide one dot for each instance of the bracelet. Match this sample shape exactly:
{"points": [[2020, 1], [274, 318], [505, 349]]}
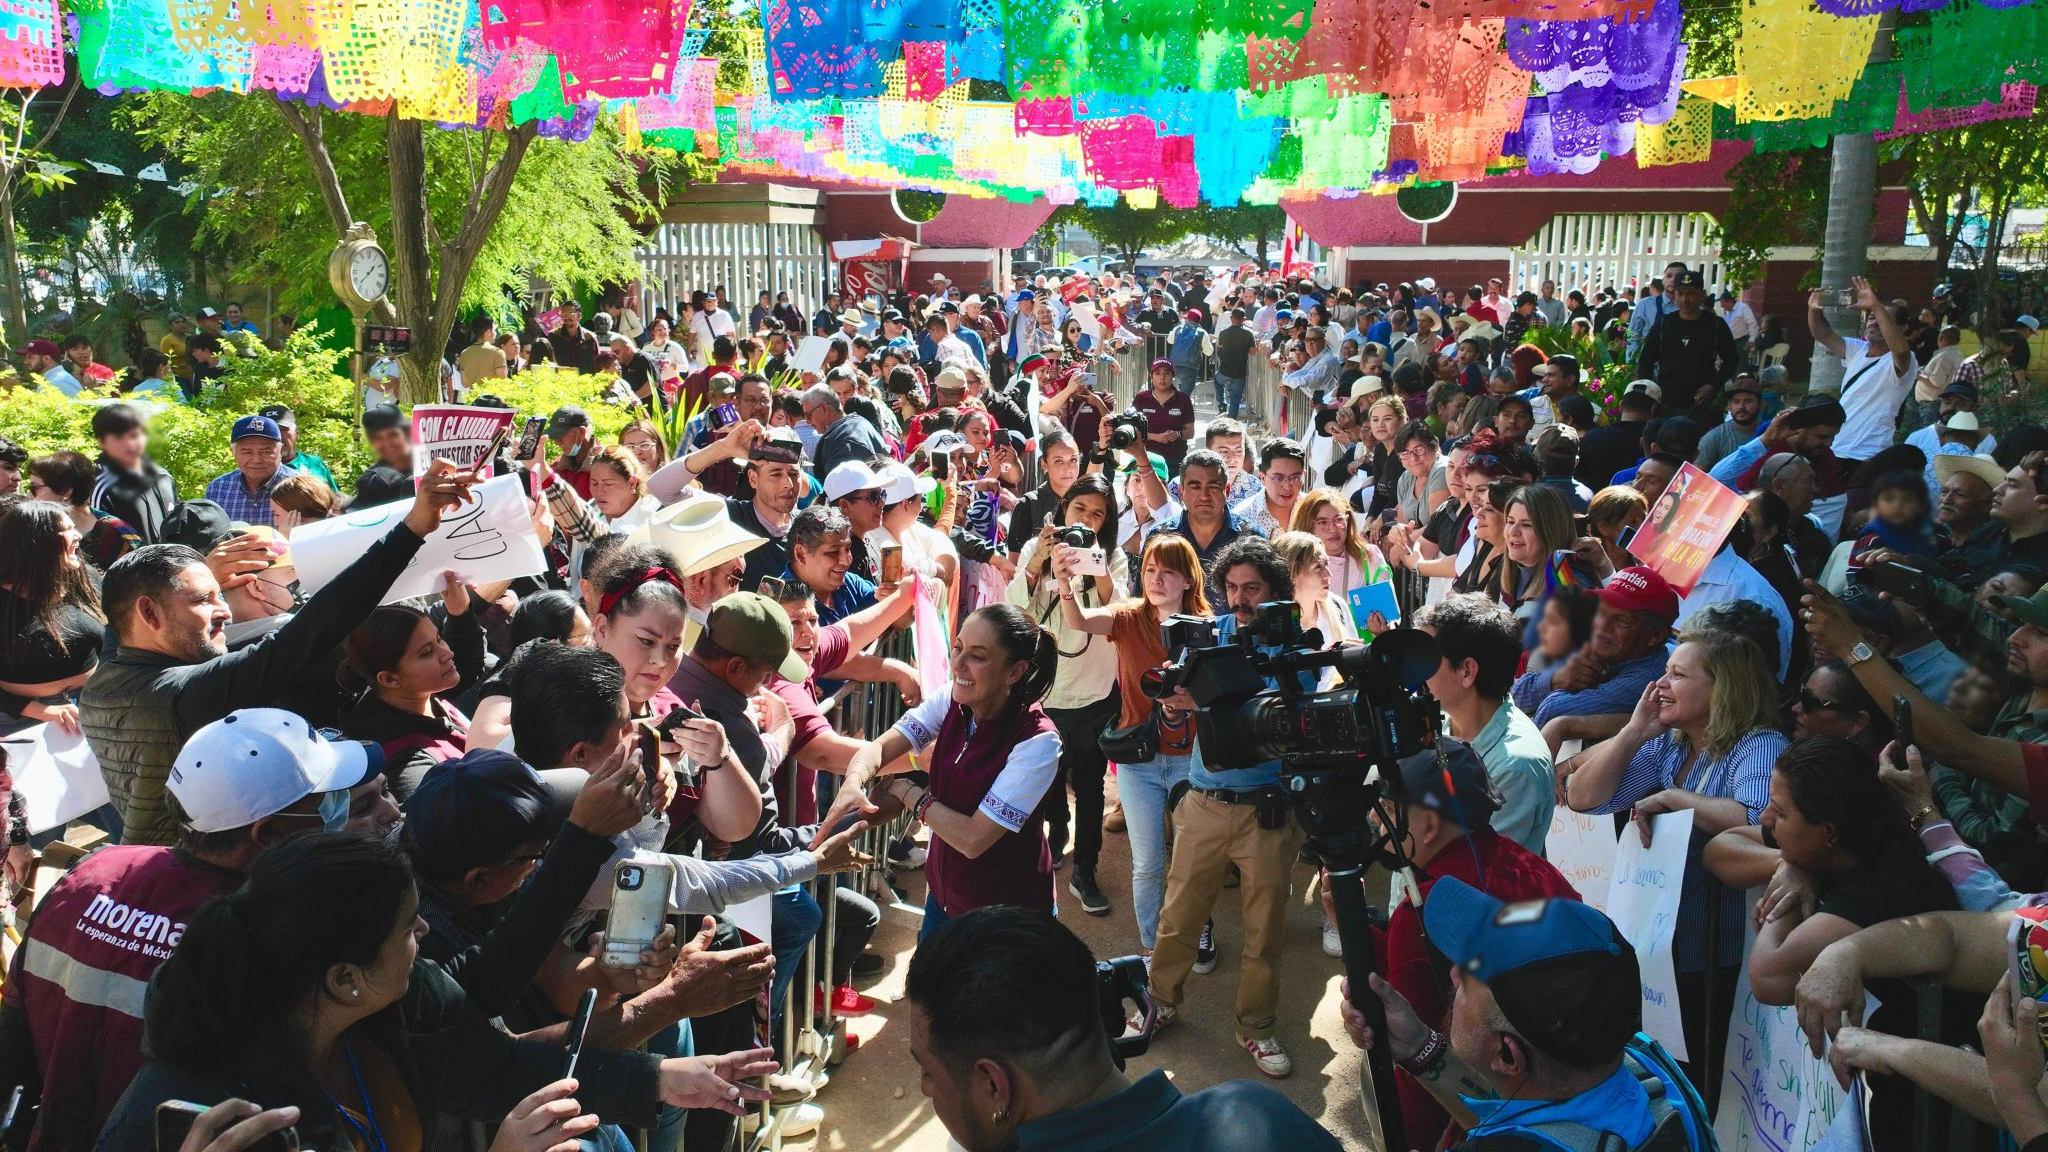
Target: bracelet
{"points": [[1435, 1048], [1920, 816], [923, 805]]}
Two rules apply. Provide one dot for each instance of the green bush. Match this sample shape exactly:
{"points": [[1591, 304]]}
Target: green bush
{"points": [[191, 440]]}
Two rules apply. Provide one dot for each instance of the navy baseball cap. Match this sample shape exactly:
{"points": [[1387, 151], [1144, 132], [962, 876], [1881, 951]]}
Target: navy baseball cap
{"points": [[262, 426], [477, 810], [1562, 973], [1458, 789]]}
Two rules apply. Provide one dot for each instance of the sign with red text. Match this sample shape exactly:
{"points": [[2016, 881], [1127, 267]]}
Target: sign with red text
{"points": [[456, 433], [1686, 527]]}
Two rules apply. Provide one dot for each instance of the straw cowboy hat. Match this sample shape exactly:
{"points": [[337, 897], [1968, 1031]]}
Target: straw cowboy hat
{"points": [[698, 534]]}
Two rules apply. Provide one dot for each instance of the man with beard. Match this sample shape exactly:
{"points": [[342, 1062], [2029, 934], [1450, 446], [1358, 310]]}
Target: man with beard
{"points": [[1745, 406], [173, 673]]}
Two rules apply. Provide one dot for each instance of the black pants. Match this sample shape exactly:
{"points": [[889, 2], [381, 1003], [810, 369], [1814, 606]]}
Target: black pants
{"points": [[1084, 766], [854, 924], [1706, 1036]]}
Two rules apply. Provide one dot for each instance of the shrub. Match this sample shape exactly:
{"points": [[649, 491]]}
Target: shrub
{"points": [[191, 440]]}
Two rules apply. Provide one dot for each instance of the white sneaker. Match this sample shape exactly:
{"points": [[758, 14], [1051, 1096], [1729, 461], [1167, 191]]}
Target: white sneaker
{"points": [[1267, 1054], [804, 1119], [1333, 944]]}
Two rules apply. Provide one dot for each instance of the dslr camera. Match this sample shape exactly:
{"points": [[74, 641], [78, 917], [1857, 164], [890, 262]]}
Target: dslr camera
{"points": [[1127, 428]]}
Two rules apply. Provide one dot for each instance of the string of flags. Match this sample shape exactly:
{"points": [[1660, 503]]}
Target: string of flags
{"points": [[154, 171]]}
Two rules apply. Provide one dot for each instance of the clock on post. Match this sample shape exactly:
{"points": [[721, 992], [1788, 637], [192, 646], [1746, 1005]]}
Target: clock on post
{"points": [[359, 270]]}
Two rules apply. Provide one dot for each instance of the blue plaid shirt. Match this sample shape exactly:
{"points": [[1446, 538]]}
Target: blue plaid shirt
{"points": [[233, 495]]}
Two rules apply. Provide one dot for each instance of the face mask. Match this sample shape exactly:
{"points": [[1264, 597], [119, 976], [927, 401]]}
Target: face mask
{"points": [[334, 810]]}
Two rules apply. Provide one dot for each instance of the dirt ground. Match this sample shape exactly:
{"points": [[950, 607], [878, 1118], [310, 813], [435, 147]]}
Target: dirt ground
{"points": [[873, 1101]]}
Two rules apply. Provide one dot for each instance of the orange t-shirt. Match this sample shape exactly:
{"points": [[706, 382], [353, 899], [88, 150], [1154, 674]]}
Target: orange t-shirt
{"points": [[1139, 646]]}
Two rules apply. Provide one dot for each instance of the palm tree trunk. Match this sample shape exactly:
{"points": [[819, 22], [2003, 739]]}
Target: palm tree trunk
{"points": [[1852, 194]]}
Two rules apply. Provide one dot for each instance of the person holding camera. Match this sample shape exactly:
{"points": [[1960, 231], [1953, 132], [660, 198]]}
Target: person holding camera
{"points": [[1007, 1026], [1233, 816], [1071, 562]]}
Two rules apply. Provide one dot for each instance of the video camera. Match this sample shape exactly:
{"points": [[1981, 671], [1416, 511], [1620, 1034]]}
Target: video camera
{"points": [[1339, 752]]}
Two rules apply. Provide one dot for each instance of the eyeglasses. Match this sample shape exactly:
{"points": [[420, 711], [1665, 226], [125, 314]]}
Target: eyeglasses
{"points": [[869, 497], [1415, 451], [1811, 703]]}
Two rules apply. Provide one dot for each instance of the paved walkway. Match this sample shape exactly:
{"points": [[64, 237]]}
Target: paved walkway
{"points": [[873, 1100]]}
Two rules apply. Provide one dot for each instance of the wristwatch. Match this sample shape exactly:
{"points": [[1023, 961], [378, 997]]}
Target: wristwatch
{"points": [[1859, 654]]}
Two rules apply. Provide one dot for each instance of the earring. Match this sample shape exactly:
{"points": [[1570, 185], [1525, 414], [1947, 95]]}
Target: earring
{"points": [[355, 991], [1000, 1115]]}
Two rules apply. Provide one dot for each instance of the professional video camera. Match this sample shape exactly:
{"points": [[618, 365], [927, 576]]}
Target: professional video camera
{"points": [[1339, 752], [1118, 982]]}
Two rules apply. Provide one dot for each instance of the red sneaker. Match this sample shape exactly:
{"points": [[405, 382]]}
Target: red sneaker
{"points": [[848, 1002]]}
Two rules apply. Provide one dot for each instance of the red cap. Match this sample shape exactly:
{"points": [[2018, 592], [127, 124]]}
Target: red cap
{"points": [[1192, 314], [1640, 590], [38, 348]]}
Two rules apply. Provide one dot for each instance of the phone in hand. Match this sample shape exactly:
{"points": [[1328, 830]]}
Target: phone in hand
{"points": [[771, 587], [174, 1120], [1838, 297], [1904, 582], [1902, 719], [892, 564], [687, 770], [496, 446], [529, 438], [1090, 562], [942, 464], [639, 908], [578, 1028]]}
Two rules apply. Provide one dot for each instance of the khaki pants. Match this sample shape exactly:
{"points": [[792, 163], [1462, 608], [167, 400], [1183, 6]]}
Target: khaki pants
{"points": [[1209, 836]]}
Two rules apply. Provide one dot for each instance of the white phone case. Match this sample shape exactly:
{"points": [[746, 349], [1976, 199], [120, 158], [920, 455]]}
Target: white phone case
{"points": [[639, 908]]}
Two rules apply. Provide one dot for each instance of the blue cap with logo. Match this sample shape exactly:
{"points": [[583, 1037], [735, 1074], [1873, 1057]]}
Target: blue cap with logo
{"points": [[262, 426]]}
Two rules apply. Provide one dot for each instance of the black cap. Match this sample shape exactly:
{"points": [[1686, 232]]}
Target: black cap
{"points": [[1817, 411], [279, 414], [197, 524], [476, 810], [1459, 789], [383, 417], [487, 400], [566, 417], [1689, 279]]}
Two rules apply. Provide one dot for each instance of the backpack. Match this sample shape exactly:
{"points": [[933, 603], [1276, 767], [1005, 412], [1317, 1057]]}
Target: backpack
{"points": [[1187, 344], [1676, 1126]]}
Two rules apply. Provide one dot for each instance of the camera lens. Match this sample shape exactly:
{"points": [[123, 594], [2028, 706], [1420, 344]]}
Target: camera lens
{"points": [[1158, 683]]}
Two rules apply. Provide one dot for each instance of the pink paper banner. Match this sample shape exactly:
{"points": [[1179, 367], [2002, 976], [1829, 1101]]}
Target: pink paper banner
{"points": [[2017, 103]]}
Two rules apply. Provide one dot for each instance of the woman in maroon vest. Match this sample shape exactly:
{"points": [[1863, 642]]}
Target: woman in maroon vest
{"points": [[403, 673], [991, 753]]}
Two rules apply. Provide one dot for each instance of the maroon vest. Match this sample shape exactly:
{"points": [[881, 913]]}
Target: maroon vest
{"points": [[1017, 868]]}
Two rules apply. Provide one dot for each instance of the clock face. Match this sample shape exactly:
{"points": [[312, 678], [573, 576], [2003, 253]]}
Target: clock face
{"points": [[369, 273]]}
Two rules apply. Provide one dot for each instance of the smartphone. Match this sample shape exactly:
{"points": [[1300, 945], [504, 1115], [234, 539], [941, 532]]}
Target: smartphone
{"points": [[942, 464], [1090, 562], [687, 770], [1838, 297], [639, 907], [892, 564], [772, 586], [496, 446], [724, 415], [1902, 719], [174, 1120], [1903, 581], [529, 439], [1622, 538], [578, 1027]]}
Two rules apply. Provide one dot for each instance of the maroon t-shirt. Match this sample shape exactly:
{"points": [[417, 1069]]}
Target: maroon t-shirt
{"points": [[1176, 413]]}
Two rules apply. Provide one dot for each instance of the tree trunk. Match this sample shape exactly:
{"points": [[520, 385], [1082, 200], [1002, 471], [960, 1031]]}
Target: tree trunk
{"points": [[1852, 194], [1989, 314], [17, 304]]}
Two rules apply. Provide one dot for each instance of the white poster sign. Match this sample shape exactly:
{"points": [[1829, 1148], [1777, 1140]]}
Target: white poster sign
{"points": [[1583, 847], [1642, 900], [490, 538], [455, 432], [810, 355], [57, 775], [1775, 1097]]}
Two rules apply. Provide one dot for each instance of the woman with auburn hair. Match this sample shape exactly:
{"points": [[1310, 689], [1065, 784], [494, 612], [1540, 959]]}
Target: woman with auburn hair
{"points": [[1536, 543], [1170, 583], [1354, 563], [644, 441], [619, 500]]}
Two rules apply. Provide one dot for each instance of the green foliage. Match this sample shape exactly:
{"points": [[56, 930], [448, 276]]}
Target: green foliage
{"points": [[1252, 230], [567, 220], [190, 440], [1774, 199], [1126, 231], [918, 205]]}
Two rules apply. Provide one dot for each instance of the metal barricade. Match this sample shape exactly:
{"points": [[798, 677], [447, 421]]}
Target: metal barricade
{"points": [[812, 1037]]}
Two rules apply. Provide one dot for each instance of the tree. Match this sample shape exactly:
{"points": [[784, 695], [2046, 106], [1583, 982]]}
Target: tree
{"points": [[1250, 230], [467, 217], [18, 156], [1125, 230], [1774, 199], [1976, 175]]}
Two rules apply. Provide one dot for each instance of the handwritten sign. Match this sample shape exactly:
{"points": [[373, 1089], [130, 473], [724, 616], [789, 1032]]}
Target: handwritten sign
{"points": [[1583, 847], [56, 774], [1686, 527], [455, 432], [1642, 900], [490, 538], [1775, 1097]]}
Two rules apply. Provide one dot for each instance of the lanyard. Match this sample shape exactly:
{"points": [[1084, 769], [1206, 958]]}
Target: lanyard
{"points": [[373, 1136]]}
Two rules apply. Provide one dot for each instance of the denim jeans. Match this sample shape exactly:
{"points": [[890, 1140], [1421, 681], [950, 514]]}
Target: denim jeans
{"points": [[1143, 789], [1186, 378], [1229, 395], [667, 1133], [796, 920]]}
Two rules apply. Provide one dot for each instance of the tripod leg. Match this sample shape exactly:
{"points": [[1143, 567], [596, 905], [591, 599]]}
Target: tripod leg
{"points": [[1347, 893]]}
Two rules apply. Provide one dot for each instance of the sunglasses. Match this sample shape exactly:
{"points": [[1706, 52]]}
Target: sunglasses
{"points": [[1811, 703]]}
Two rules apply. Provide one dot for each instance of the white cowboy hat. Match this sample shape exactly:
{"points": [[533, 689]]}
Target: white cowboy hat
{"points": [[698, 534], [1481, 331], [1962, 422], [1981, 466]]}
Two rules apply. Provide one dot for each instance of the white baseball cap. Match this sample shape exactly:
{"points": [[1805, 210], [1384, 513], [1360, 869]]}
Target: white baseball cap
{"points": [[850, 477], [257, 762], [899, 483]]}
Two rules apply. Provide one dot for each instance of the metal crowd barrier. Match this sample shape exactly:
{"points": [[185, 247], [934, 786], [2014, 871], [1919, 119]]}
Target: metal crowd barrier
{"points": [[813, 1038]]}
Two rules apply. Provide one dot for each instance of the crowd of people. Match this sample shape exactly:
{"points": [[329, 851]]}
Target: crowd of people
{"points": [[365, 852]]}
